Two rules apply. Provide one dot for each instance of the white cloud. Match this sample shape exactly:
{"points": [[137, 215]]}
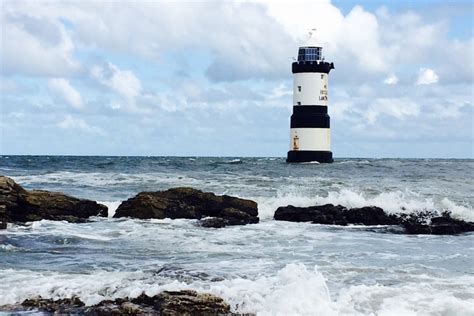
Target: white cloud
{"points": [[35, 45], [124, 82], [391, 80], [62, 88], [399, 108], [250, 39], [426, 76], [70, 122]]}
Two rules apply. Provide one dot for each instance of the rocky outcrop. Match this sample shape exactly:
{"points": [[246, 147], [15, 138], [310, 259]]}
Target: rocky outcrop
{"points": [[335, 215], [438, 225], [415, 223], [166, 303], [189, 203], [20, 205]]}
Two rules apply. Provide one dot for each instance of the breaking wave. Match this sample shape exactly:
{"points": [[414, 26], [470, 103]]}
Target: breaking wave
{"points": [[392, 202], [294, 289]]}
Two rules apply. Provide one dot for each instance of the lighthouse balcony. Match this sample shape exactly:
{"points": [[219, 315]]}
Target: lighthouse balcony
{"points": [[312, 66]]}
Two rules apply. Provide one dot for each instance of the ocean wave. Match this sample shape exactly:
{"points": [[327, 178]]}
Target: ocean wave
{"points": [[60, 228], [294, 289], [362, 162], [395, 202], [98, 179], [8, 247], [227, 162]]}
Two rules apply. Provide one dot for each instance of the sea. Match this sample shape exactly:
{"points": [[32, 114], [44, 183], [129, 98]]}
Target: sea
{"points": [[269, 268]]}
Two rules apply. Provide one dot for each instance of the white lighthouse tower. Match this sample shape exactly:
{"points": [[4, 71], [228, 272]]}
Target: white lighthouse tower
{"points": [[310, 137]]}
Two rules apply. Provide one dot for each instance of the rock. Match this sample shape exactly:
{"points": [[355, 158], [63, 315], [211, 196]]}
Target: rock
{"points": [[62, 306], [441, 225], [425, 222], [3, 217], [11, 196], [322, 214], [186, 303], [214, 222], [167, 303], [370, 215], [189, 203], [21, 205], [335, 215]]}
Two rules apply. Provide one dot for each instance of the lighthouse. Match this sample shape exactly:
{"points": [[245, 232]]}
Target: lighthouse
{"points": [[310, 134]]}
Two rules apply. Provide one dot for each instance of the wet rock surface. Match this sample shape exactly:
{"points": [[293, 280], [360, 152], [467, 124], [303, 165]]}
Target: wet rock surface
{"points": [[167, 303], [3, 217], [190, 203], [416, 223], [330, 214], [435, 224], [20, 205]]}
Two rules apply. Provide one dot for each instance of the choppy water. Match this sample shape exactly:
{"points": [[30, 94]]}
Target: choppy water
{"points": [[271, 267]]}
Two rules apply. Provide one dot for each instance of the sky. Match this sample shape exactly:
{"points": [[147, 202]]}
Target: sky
{"points": [[213, 78]]}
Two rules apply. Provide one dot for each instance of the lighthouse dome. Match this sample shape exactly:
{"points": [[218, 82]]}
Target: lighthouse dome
{"points": [[312, 49]]}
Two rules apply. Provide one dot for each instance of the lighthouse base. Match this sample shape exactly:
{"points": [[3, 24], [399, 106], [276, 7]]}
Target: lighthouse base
{"points": [[309, 156]]}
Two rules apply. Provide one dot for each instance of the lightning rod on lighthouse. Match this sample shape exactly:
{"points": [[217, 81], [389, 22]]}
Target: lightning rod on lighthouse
{"points": [[310, 134]]}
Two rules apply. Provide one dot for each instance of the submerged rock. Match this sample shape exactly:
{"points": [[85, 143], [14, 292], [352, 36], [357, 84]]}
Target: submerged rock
{"points": [[415, 223], [20, 205], [168, 303], [189, 203], [214, 222]]}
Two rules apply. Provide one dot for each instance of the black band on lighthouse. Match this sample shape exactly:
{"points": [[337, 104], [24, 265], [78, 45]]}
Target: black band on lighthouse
{"points": [[308, 156], [312, 66], [306, 120], [309, 109]]}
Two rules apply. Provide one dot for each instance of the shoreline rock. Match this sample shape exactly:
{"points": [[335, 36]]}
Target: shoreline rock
{"points": [[435, 225], [212, 211], [419, 223], [3, 217], [186, 302], [20, 205], [330, 214], [190, 203]]}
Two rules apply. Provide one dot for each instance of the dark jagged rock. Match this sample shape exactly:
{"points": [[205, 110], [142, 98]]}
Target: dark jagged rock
{"points": [[370, 215], [214, 222], [20, 205], [3, 217], [189, 203], [335, 215], [219, 222], [62, 306], [441, 225], [426, 222], [167, 303]]}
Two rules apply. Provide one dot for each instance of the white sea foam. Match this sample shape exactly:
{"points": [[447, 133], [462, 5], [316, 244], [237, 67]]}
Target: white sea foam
{"points": [[434, 298], [458, 211], [60, 228], [111, 206], [362, 162], [393, 202], [8, 247], [295, 289], [107, 179]]}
